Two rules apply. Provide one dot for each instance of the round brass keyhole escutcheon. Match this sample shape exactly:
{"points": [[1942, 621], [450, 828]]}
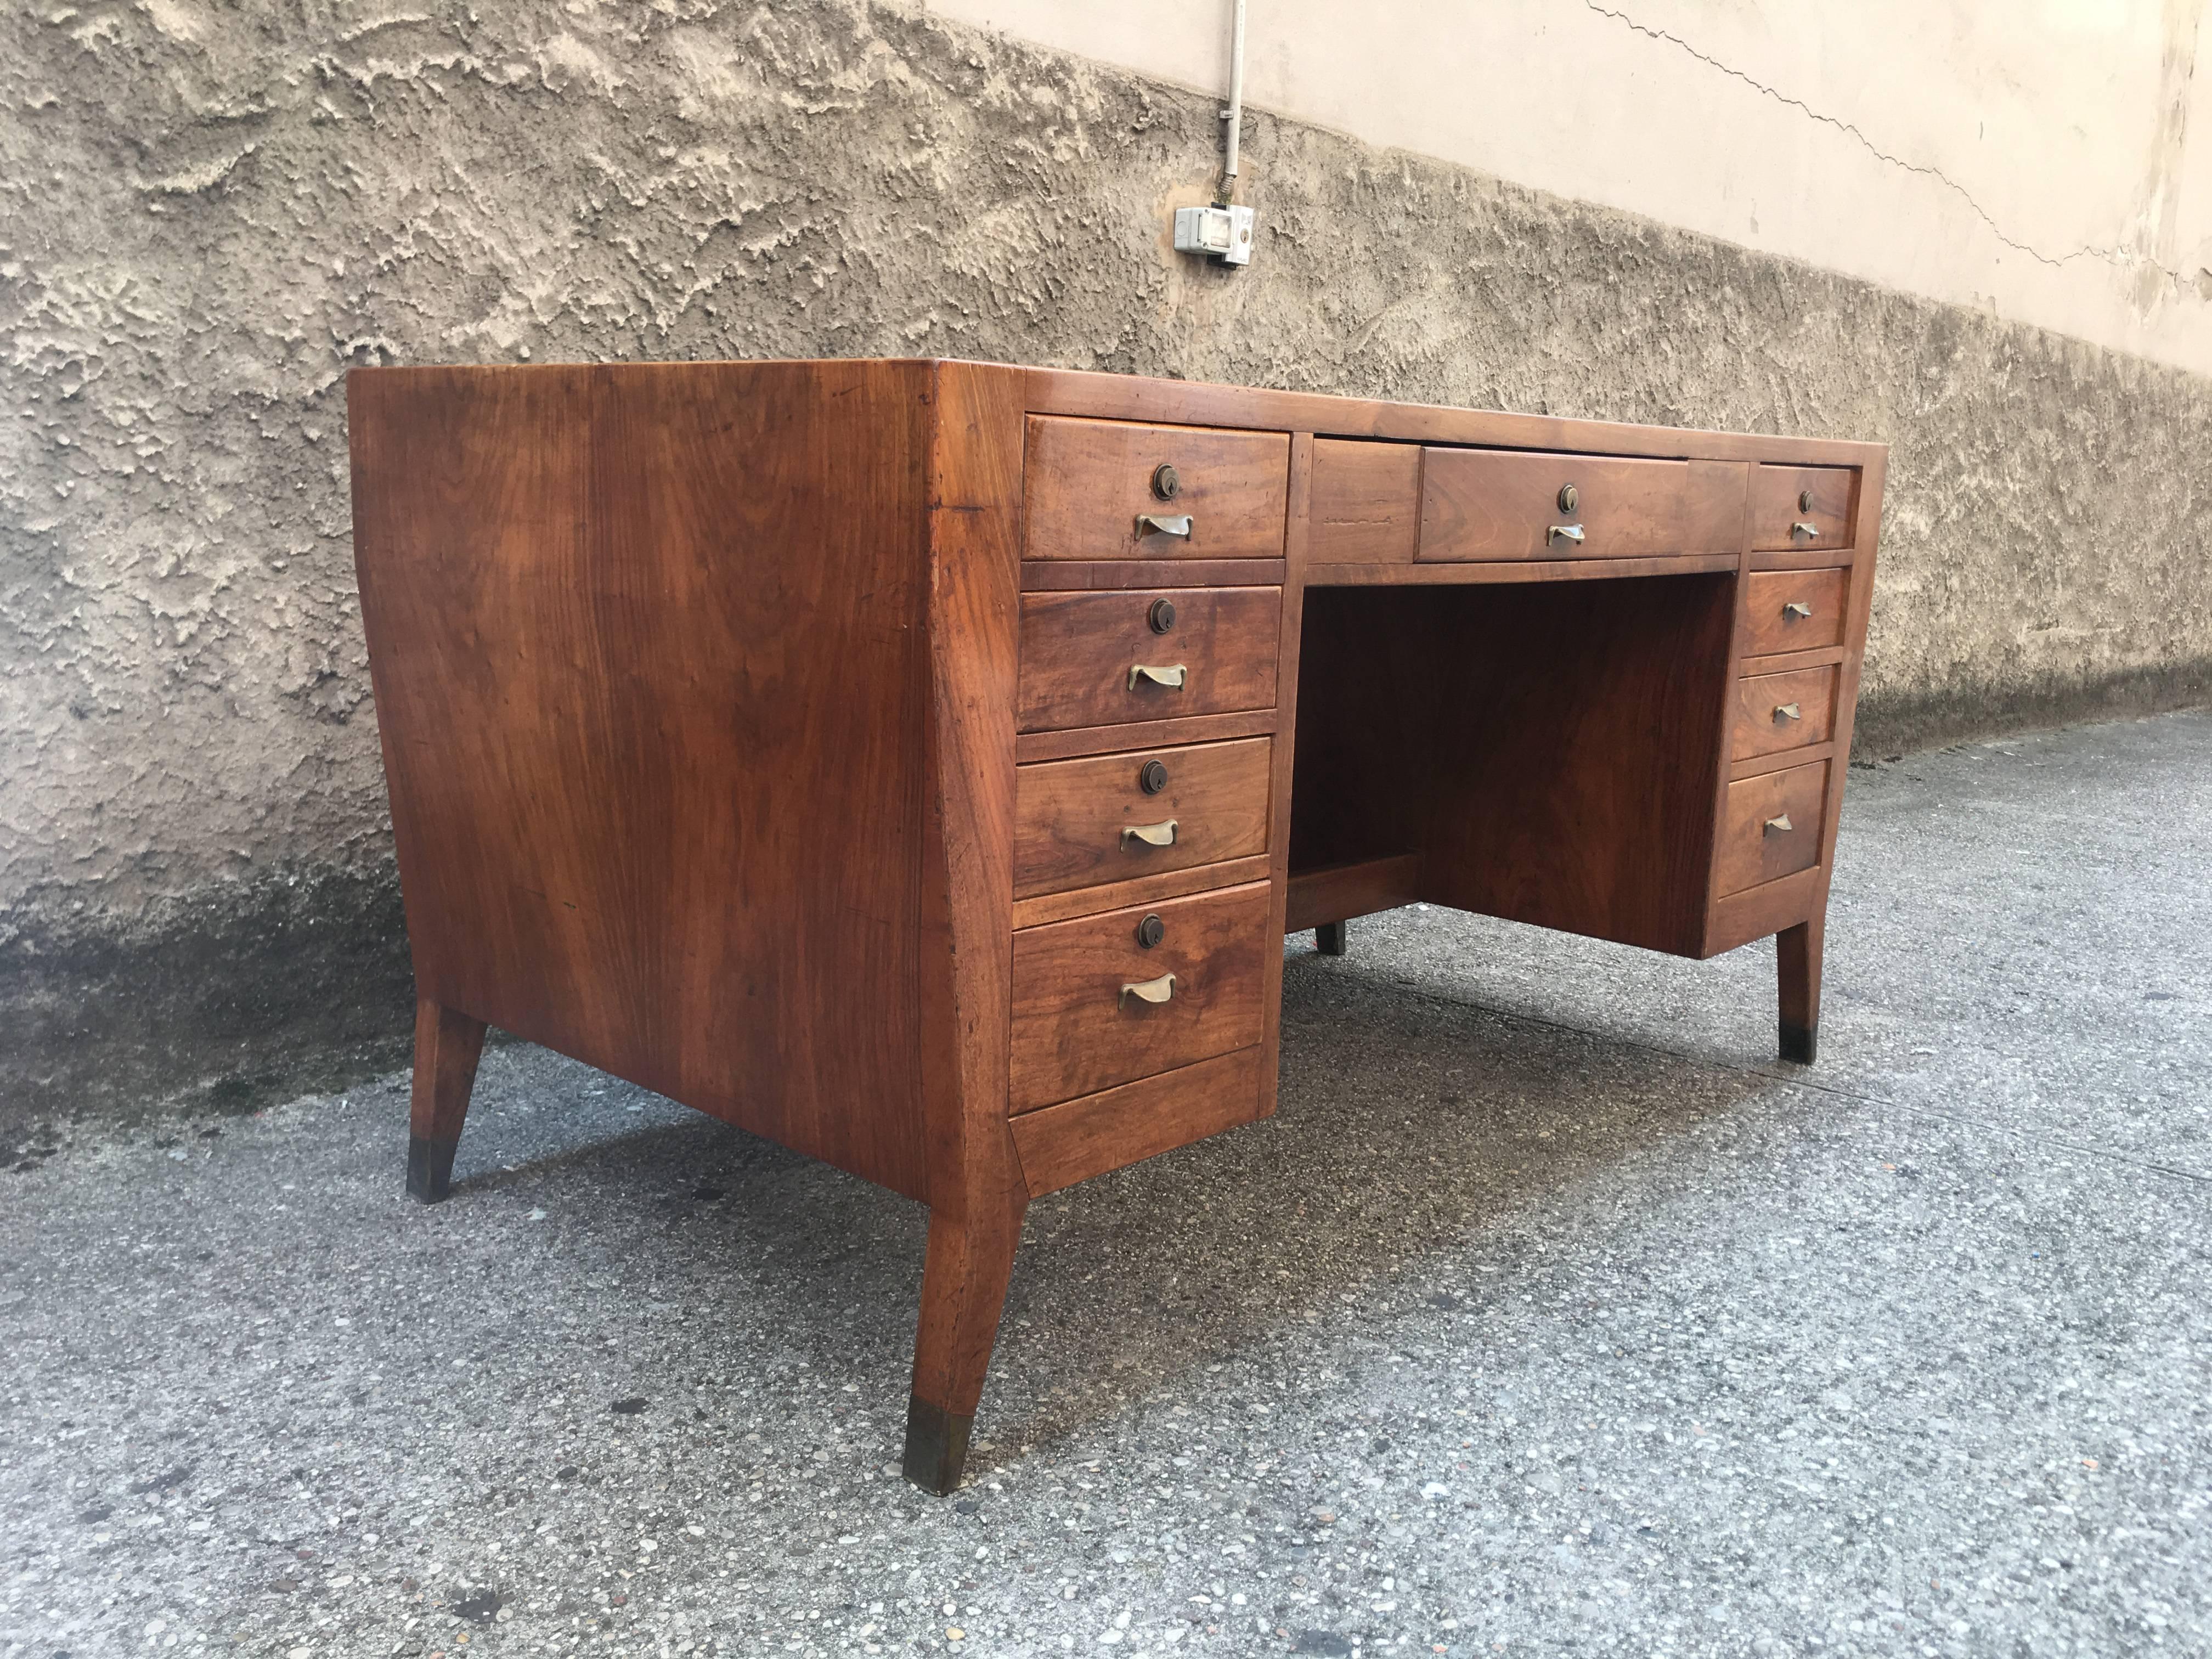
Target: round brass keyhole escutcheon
{"points": [[1570, 498], [1161, 615], [1167, 482], [1804, 500], [1152, 777], [1151, 931]]}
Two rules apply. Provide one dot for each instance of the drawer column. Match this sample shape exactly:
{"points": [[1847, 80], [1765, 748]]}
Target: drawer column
{"points": [[1801, 632]]}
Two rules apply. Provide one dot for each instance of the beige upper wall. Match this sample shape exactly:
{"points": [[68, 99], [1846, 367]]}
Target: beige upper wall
{"points": [[2029, 157]]}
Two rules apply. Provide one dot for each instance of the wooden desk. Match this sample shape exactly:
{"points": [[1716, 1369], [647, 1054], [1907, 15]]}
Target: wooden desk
{"points": [[919, 763]]}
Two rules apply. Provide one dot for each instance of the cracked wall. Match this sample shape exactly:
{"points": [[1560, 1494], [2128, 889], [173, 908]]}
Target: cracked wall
{"points": [[210, 213], [2038, 167]]}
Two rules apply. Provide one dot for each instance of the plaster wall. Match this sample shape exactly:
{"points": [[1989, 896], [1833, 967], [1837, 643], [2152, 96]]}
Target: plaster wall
{"points": [[2048, 161], [207, 214]]}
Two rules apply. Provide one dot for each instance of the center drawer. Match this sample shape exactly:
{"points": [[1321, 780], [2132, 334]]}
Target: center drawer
{"points": [[1517, 504], [1095, 1006], [1145, 654], [1114, 818]]}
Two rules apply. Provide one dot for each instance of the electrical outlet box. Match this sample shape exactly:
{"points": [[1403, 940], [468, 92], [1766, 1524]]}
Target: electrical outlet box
{"points": [[1222, 234]]}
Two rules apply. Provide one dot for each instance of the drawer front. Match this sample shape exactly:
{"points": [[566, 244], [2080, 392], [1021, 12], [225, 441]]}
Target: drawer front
{"points": [[1114, 818], [1080, 653], [1077, 1030], [1080, 1138], [1775, 712], [1502, 504], [1793, 611], [1800, 507], [1088, 486], [1365, 504], [1772, 828]]}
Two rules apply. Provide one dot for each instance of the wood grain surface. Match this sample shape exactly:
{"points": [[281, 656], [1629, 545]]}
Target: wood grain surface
{"points": [[1076, 1139], [976, 1192], [1776, 492], [1492, 504], [1142, 890], [648, 650], [1075, 1033], [1338, 892], [1135, 397], [1070, 814], [1762, 729], [1078, 650], [1366, 503], [1751, 851], [1550, 751], [1089, 481], [1772, 627]]}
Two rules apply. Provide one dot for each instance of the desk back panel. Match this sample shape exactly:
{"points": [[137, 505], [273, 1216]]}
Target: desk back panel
{"points": [[1547, 750]]}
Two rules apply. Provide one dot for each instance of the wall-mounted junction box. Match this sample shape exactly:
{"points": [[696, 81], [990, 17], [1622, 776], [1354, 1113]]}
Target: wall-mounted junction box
{"points": [[1222, 234]]}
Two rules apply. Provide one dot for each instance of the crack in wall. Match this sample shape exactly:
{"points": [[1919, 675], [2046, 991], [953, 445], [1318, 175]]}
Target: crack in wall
{"points": [[188, 699], [2112, 256]]}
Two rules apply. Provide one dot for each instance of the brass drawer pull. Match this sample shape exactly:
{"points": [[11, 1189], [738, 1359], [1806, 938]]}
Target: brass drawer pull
{"points": [[1163, 524], [1787, 711], [1151, 834], [1564, 532], [1801, 529], [1149, 990], [1169, 679], [1796, 609], [1780, 826]]}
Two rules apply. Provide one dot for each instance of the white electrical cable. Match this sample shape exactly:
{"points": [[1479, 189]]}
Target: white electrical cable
{"points": [[1234, 115]]}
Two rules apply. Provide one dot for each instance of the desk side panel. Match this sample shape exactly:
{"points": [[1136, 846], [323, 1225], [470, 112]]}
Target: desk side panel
{"points": [[647, 649]]}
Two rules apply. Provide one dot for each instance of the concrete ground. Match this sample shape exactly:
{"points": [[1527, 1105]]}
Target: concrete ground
{"points": [[1550, 1316]]}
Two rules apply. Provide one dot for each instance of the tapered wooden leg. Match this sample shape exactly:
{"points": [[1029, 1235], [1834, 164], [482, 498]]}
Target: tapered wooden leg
{"points": [[964, 1288], [446, 1048], [1329, 938], [1797, 960]]}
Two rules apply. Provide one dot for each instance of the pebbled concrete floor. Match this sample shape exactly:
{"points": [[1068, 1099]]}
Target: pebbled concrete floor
{"points": [[1549, 1316]]}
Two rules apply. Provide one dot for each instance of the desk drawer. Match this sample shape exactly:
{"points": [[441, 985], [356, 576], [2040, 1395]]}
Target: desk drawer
{"points": [[1793, 611], [1772, 827], [1775, 712], [1366, 505], [1080, 653], [1801, 506], [1079, 822], [1077, 1030], [1087, 485], [1512, 504]]}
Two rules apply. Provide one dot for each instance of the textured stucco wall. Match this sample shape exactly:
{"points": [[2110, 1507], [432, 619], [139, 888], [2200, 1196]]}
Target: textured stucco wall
{"points": [[208, 213], [2048, 159]]}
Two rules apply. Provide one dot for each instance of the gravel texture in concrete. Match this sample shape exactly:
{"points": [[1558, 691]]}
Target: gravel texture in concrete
{"points": [[1550, 1315]]}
